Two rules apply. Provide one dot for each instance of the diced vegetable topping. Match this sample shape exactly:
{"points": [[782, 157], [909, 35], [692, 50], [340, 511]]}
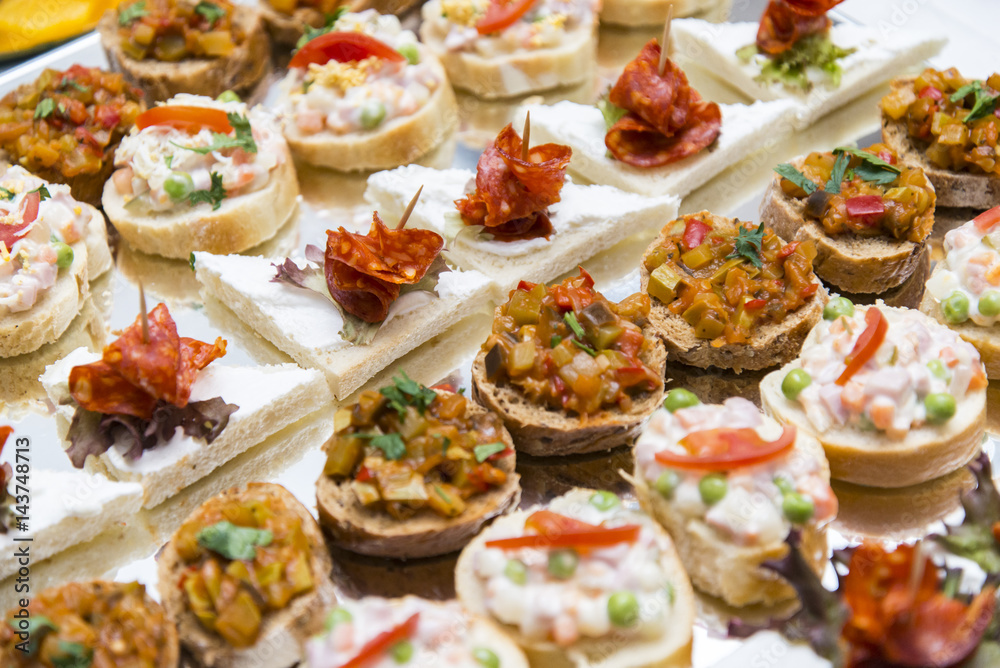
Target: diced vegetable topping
{"points": [[174, 30]]}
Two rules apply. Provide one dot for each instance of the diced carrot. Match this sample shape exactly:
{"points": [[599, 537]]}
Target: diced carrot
{"points": [[993, 275], [882, 415], [978, 380], [948, 357], [853, 397]]}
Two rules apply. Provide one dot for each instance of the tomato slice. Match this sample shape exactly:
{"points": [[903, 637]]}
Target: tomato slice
{"points": [[383, 642], [11, 232], [875, 328], [558, 531], [986, 220], [724, 449], [187, 119], [694, 233], [500, 15], [864, 206], [344, 47]]}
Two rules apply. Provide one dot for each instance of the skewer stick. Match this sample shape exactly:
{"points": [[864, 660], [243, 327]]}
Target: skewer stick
{"points": [[409, 210], [142, 312], [526, 136], [665, 40], [916, 570]]}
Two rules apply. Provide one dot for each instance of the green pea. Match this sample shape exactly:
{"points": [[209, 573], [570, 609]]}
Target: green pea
{"points": [[410, 52], [179, 185], [64, 254], [713, 488], [955, 308], [793, 384], [940, 407], [562, 563], [486, 658], [604, 500], [372, 114], [797, 508], [516, 572], [667, 483], [228, 96], [623, 609], [680, 398], [338, 616], [989, 303], [938, 369], [838, 306], [402, 651]]}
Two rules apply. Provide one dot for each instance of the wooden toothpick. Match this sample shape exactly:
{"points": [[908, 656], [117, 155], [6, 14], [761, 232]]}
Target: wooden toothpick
{"points": [[526, 136], [409, 209], [142, 311], [665, 40]]}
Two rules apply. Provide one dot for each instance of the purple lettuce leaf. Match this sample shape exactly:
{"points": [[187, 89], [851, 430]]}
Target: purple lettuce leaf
{"points": [[974, 538]]}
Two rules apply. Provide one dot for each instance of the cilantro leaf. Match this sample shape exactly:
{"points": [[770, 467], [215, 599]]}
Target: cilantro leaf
{"points": [[134, 11], [837, 174], [45, 108], [872, 169], [964, 91], [312, 33], [66, 82], [243, 138], [407, 392], [43, 193], [210, 11], [611, 112], [214, 195], [487, 450], [983, 104], [7, 194], [232, 541], [391, 445], [789, 172], [748, 245]]}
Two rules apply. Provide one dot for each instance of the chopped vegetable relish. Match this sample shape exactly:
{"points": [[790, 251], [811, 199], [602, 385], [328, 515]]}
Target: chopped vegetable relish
{"points": [[172, 30]]}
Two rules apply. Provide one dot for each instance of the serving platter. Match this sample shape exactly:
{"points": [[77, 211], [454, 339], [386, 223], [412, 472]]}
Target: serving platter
{"points": [[293, 457]]}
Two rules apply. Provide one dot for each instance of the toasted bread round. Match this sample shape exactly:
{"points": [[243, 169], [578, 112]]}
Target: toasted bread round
{"points": [[985, 339], [954, 189], [519, 73], [286, 29], [240, 71], [398, 142], [866, 458], [851, 263], [908, 293], [238, 224], [544, 432], [99, 258], [724, 569], [282, 632], [645, 13], [715, 385], [769, 345], [673, 648]]}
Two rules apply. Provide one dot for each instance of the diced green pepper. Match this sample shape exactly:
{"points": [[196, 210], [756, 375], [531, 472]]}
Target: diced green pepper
{"points": [[663, 284], [523, 308]]}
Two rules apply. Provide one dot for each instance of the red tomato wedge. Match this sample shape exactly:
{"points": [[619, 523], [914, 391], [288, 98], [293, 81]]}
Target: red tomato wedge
{"points": [[987, 220], [344, 47], [694, 233], [863, 206], [188, 119], [383, 642], [558, 531], [11, 232], [500, 15], [724, 449], [875, 328]]}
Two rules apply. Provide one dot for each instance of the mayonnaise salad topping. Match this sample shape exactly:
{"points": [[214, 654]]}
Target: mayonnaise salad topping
{"points": [[33, 253], [442, 635], [749, 505], [360, 95], [966, 283], [565, 594], [158, 171], [919, 373], [545, 25]]}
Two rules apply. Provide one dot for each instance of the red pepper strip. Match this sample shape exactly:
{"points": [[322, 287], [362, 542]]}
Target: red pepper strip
{"points": [[694, 233], [383, 642], [500, 15], [809, 290], [931, 92], [526, 286], [724, 449], [788, 250], [865, 205], [188, 119], [344, 47], [559, 531], [986, 220], [866, 345], [887, 156], [754, 304]]}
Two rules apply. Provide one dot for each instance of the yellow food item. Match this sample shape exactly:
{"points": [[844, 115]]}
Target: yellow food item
{"points": [[25, 24]]}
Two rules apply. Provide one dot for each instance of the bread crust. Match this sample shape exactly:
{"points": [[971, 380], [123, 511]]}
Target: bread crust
{"points": [[240, 71], [240, 223], [286, 29], [426, 534], [908, 293], [853, 264], [645, 13], [770, 343], [399, 142], [282, 632]]}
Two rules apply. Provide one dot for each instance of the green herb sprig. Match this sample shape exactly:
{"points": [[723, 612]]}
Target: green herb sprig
{"points": [[748, 245]]}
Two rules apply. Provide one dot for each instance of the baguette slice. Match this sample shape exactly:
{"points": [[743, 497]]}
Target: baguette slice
{"points": [[240, 71], [398, 142], [770, 343], [851, 263], [879, 56], [282, 633], [672, 649], [426, 534], [306, 325], [508, 75], [286, 29], [588, 220], [908, 293], [649, 13], [582, 128], [862, 458], [69, 508], [269, 399]]}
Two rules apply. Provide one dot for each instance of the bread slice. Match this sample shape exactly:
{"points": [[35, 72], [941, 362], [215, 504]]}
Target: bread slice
{"points": [[286, 29], [714, 385], [282, 632], [582, 128], [649, 13], [588, 220], [373, 532], [770, 343], [508, 75], [908, 293], [863, 458], [672, 649], [306, 325], [99, 258], [849, 262], [880, 55], [954, 189], [400, 141], [269, 399], [240, 71]]}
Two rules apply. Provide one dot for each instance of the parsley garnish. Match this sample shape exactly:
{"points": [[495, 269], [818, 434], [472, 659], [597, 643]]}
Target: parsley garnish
{"points": [[243, 138], [837, 174], [748, 245], [211, 12], [795, 176], [984, 105], [45, 108], [72, 655], [312, 33], [611, 112], [169, 161], [7, 194], [43, 193], [872, 168], [214, 195], [134, 11], [233, 541], [66, 82], [391, 445], [484, 452], [407, 392]]}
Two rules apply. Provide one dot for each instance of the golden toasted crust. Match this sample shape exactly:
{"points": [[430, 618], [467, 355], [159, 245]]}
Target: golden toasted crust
{"points": [[908, 293], [644, 13]]}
